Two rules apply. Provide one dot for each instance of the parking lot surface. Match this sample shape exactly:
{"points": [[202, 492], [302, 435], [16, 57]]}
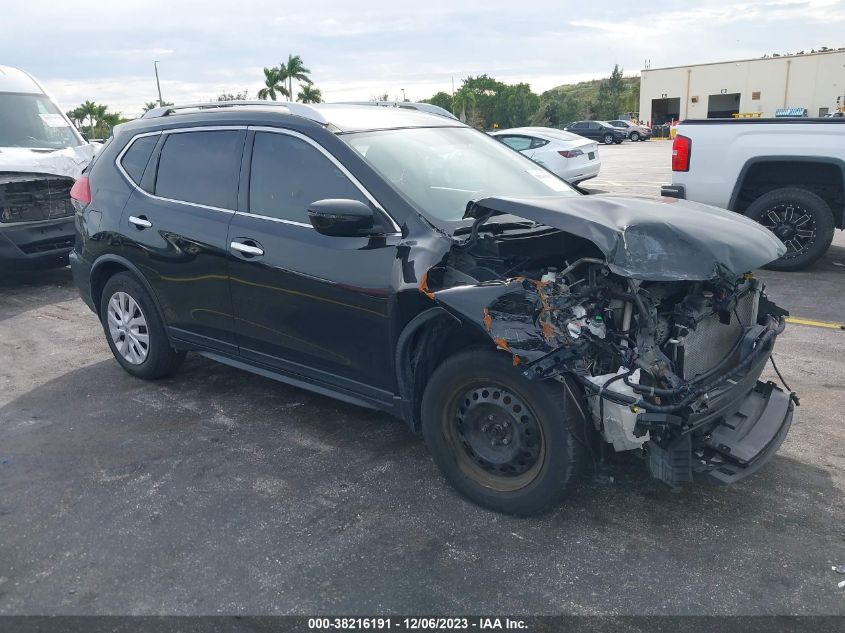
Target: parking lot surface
{"points": [[217, 491]]}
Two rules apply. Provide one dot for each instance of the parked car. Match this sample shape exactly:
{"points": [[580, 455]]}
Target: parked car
{"points": [[568, 155], [635, 132], [406, 262], [41, 154], [598, 131], [786, 174]]}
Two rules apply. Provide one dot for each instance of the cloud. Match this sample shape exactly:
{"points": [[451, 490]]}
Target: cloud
{"points": [[358, 49]]}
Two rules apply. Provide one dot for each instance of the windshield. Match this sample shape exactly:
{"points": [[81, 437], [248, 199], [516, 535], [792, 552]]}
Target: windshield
{"points": [[28, 120], [442, 169]]}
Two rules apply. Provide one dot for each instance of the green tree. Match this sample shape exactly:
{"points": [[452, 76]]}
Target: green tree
{"points": [[294, 69], [489, 104], [309, 94], [273, 85], [463, 103], [519, 104], [237, 96], [149, 105], [442, 99], [89, 109]]}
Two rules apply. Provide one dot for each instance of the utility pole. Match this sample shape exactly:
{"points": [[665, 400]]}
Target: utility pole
{"points": [[158, 85]]}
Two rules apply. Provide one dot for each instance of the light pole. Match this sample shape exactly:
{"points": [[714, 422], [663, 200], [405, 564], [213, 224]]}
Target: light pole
{"points": [[403, 94], [158, 85]]}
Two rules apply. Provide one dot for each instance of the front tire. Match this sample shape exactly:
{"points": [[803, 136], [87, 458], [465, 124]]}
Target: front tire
{"points": [[134, 331], [506, 443], [635, 136], [800, 219], [608, 139]]}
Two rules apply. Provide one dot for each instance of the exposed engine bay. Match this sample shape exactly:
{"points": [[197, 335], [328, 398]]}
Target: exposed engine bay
{"points": [[666, 366]]}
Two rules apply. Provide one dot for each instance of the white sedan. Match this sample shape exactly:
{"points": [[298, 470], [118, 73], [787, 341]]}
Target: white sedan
{"points": [[572, 157]]}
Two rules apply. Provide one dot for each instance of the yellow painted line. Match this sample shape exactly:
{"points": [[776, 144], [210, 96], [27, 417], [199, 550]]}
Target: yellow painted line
{"points": [[810, 322]]}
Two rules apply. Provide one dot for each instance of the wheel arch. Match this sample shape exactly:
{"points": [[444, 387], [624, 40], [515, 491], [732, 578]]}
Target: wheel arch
{"points": [[106, 267], [427, 339], [792, 171]]}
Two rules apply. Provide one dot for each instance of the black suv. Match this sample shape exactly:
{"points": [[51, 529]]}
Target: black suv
{"points": [[598, 131], [368, 254]]}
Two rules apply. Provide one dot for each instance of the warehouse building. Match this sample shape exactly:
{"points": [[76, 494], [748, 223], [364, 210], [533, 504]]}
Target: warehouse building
{"points": [[814, 82]]}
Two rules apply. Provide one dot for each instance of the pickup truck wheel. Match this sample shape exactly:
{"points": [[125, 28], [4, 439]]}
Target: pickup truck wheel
{"points": [[800, 219], [608, 139], [506, 443], [134, 330], [635, 136]]}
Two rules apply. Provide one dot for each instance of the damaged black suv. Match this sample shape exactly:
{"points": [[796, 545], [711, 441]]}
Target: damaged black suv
{"points": [[405, 262]]}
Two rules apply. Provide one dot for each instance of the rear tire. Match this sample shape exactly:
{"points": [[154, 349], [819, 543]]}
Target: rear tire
{"points": [[608, 139], [134, 331], [800, 219], [506, 443]]}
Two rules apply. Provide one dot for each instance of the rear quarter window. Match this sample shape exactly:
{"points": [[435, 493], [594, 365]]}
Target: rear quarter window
{"points": [[135, 159], [201, 167]]}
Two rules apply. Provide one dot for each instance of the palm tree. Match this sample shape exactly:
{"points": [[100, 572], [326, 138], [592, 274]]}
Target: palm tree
{"points": [[295, 69], [464, 101], [149, 105], [77, 116], [273, 85], [89, 109], [309, 94]]}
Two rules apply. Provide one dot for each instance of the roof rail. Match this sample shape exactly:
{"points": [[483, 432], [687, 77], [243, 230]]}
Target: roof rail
{"points": [[409, 105], [297, 109]]}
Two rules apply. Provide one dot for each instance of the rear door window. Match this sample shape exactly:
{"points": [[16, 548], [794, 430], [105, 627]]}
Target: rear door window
{"points": [[135, 159], [201, 167], [288, 174], [519, 143]]}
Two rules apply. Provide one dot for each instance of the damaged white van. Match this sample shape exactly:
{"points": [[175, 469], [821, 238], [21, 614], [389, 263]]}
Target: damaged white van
{"points": [[41, 154]]}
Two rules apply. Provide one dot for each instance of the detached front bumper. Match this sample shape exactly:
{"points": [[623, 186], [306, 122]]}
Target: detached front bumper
{"points": [[749, 438]]}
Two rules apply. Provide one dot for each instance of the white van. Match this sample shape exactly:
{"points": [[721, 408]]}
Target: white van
{"points": [[41, 154]]}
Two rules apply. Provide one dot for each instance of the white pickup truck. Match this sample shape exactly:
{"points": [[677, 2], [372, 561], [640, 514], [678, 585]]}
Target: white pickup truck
{"points": [[787, 174]]}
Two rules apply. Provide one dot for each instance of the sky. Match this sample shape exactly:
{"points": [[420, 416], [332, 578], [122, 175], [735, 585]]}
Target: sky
{"points": [[356, 50]]}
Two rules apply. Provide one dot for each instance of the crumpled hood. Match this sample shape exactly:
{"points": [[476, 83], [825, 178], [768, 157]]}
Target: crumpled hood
{"points": [[653, 239], [62, 162]]}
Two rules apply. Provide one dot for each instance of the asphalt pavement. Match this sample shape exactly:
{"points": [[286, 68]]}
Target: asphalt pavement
{"points": [[217, 491]]}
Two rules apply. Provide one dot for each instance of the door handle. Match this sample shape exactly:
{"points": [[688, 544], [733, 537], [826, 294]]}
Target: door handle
{"points": [[247, 249], [140, 222]]}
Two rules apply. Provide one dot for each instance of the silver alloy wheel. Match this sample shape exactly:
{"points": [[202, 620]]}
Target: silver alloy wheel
{"points": [[128, 328]]}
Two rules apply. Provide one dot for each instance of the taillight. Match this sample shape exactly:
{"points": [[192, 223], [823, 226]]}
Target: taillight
{"points": [[681, 152], [81, 191], [570, 153]]}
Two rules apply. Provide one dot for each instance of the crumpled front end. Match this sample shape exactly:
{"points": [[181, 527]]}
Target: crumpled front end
{"points": [[667, 366]]}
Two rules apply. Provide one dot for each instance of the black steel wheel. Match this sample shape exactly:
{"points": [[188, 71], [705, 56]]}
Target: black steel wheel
{"points": [[800, 219], [505, 442], [496, 437]]}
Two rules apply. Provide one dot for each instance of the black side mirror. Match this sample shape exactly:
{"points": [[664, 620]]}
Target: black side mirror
{"points": [[343, 218]]}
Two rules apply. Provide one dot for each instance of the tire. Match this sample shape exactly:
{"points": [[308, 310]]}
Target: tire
{"points": [[635, 136], [779, 211], [608, 139], [476, 398], [123, 295]]}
